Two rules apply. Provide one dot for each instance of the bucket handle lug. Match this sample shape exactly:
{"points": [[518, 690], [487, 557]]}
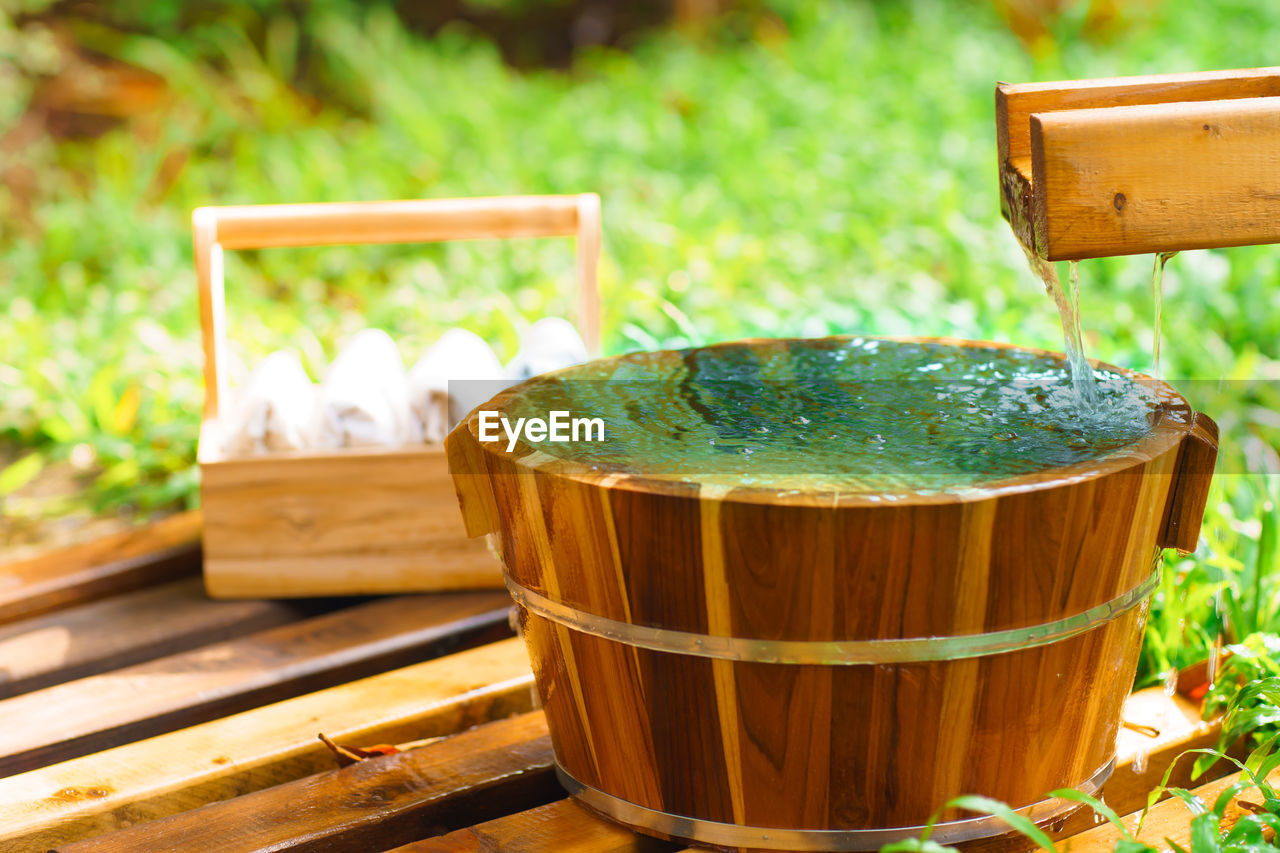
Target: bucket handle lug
{"points": [[1189, 492], [467, 466]]}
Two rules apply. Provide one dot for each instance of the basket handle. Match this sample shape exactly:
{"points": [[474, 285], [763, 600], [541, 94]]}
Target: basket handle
{"points": [[417, 221]]}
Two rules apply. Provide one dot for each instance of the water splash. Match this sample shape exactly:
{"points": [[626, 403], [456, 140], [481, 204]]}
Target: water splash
{"points": [[881, 417], [1068, 303]]}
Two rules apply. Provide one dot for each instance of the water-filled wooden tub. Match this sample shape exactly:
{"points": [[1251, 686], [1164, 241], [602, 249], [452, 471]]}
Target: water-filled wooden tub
{"points": [[811, 637]]}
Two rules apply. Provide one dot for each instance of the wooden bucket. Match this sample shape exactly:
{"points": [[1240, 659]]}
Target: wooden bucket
{"points": [[803, 671]]}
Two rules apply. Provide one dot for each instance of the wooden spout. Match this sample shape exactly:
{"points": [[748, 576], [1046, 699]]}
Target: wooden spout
{"points": [[1189, 493], [471, 481], [1131, 165]]}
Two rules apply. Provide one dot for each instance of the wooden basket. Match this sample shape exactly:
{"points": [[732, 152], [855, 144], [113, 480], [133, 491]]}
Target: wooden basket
{"points": [[353, 521]]}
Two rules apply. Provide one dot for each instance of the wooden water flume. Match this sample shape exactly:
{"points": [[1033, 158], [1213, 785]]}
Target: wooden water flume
{"points": [[809, 671], [1128, 165]]}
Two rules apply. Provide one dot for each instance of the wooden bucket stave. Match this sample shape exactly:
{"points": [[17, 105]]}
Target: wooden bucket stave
{"points": [[656, 614], [766, 745]]}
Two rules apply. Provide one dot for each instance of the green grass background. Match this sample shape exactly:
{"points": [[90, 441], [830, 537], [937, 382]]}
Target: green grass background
{"points": [[811, 168]]}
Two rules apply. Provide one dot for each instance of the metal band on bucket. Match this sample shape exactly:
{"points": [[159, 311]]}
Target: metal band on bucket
{"points": [[770, 838], [832, 652]]}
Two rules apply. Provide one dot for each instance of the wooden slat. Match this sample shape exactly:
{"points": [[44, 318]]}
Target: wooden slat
{"points": [[1140, 164], [590, 237], [166, 550], [1156, 178], [146, 699], [215, 229], [562, 826], [375, 804], [1167, 821], [390, 520], [127, 629], [1015, 103], [263, 226], [253, 750]]}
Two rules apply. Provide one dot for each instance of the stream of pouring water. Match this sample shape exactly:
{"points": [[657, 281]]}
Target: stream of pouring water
{"points": [[1157, 297], [1068, 302], [1082, 378], [1217, 496]]}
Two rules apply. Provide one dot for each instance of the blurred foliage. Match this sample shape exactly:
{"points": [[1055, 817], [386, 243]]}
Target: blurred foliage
{"points": [[801, 167], [1230, 588]]}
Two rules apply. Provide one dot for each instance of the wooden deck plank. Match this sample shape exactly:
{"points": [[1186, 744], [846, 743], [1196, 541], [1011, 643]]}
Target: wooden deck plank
{"points": [[163, 551], [172, 773], [126, 629], [562, 826], [375, 804], [1167, 821], [161, 695]]}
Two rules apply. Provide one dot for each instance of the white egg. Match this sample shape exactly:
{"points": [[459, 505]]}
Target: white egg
{"points": [[549, 344], [458, 373], [364, 400], [272, 410]]}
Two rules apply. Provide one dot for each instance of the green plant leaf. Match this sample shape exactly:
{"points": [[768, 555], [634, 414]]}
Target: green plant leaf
{"points": [[1263, 564], [1192, 801], [125, 413], [58, 429], [995, 808], [1230, 793], [17, 474], [1163, 787], [917, 845], [1248, 832], [1098, 806], [102, 397], [123, 473], [1128, 845], [1203, 763], [1204, 833]]}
